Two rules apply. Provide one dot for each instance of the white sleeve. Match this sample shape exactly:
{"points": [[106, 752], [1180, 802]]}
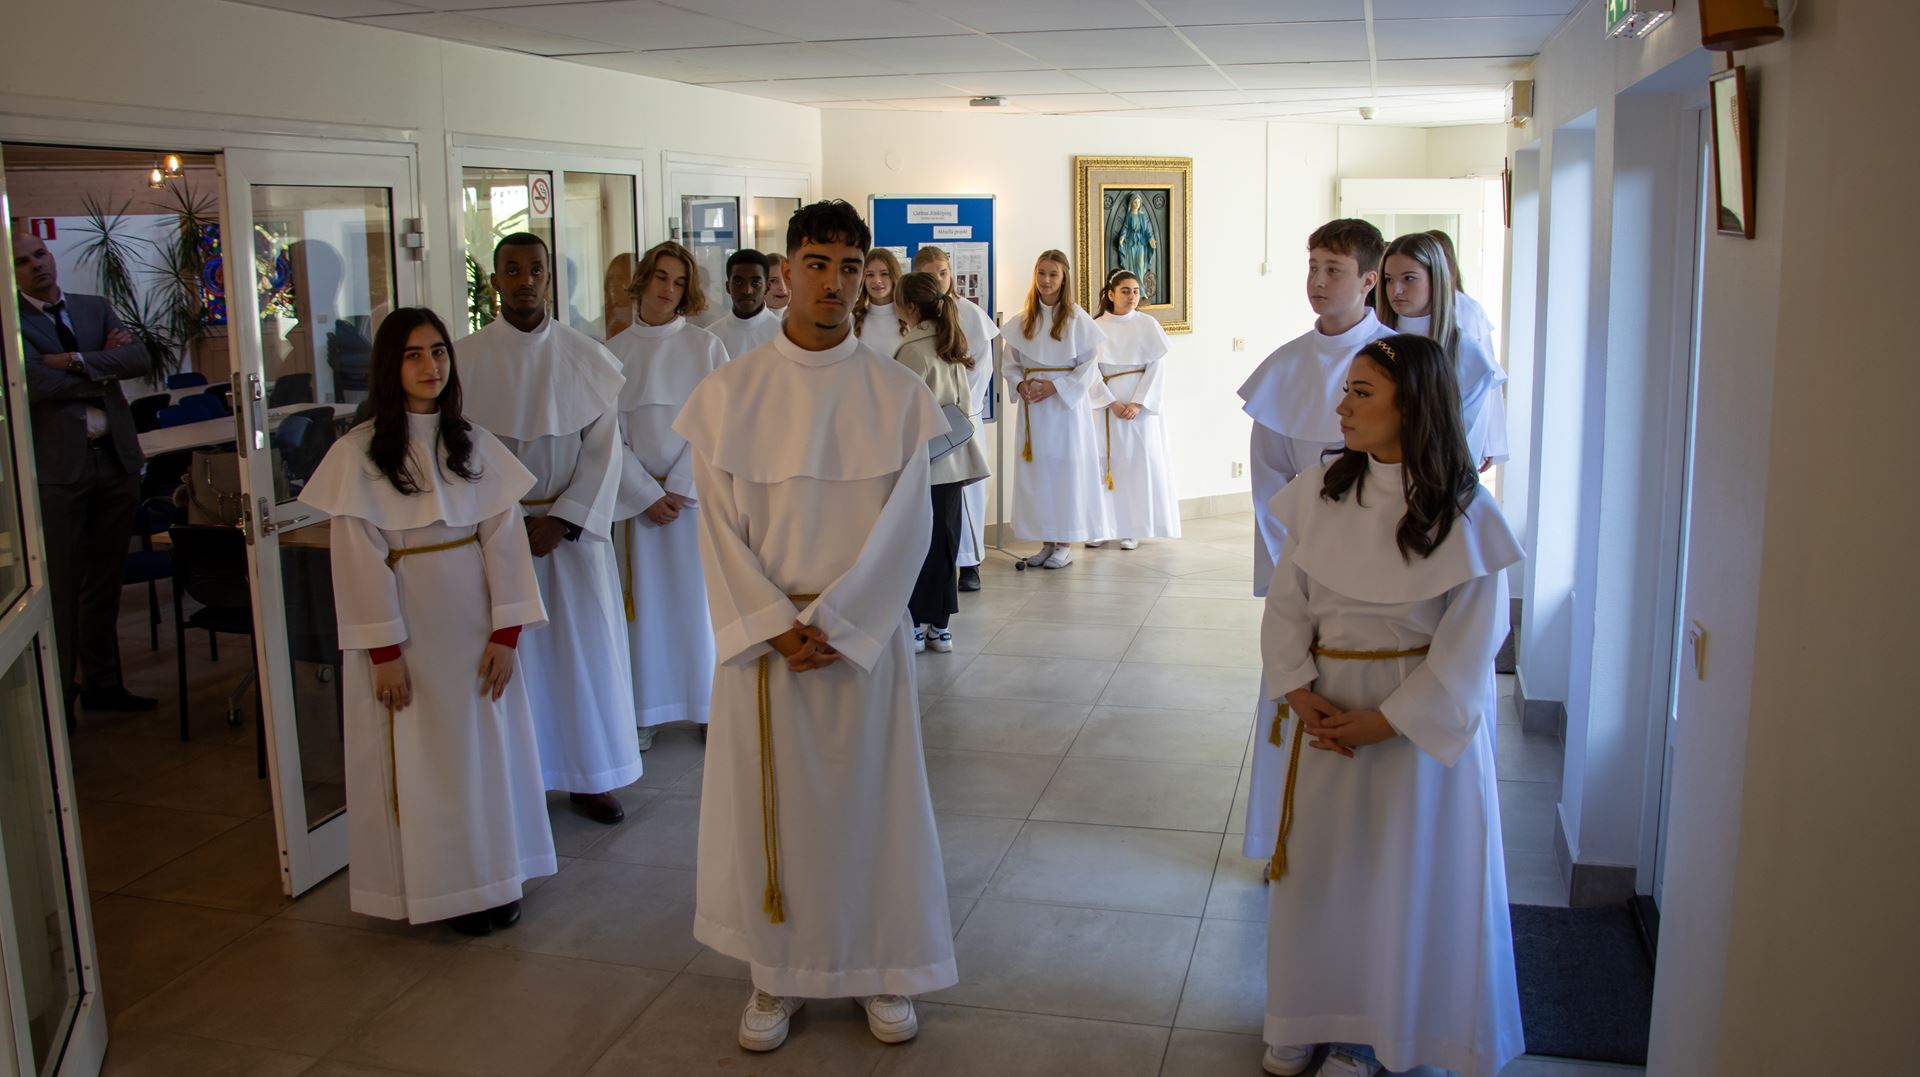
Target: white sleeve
{"points": [[637, 490], [1286, 629], [862, 609], [748, 608], [591, 492], [1443, 701], [1150, 388], [512, 588], [366, 601], [1270, 466]]}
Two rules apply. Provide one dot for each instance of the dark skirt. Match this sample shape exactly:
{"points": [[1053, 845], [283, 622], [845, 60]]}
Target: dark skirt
{"points": [[936, 594]]}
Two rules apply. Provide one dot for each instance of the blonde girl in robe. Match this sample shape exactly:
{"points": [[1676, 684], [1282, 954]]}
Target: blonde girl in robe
{"points": [[1419, 293], [1051, 360], [1133, 429], [874, 319], [1387, 926], [777, 294], [433, 582]]}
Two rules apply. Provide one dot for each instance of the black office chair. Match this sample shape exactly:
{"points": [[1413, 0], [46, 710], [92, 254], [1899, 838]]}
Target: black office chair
{"points": [[186, 379], [210, 567], [193, 409], [146, 411], [146, 564], [291, 389], [222, 392]]}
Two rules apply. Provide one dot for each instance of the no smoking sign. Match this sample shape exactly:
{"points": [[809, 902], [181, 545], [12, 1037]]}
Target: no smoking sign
{"points": [[540, 196]]}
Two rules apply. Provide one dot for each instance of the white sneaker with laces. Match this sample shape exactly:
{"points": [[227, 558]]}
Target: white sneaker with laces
{"points": [[1129, 544], [1286, 1061], [1341, 1064], [1061, 557], [890, 1018], [1040, 558], [940, 639], [646, 737], [1096, 545], [764, 1024], [919, 639]]}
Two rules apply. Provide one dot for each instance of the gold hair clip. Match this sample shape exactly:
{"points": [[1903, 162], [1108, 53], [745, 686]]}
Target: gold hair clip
{"points": [[1385, 349]]}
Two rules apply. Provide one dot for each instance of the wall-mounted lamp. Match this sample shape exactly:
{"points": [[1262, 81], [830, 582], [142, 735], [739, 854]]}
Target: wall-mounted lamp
{"points": [[156, 179], [172, 167]]}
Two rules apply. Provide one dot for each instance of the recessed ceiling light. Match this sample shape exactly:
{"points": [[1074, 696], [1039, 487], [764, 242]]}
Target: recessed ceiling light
{"points": [[987, 102]]}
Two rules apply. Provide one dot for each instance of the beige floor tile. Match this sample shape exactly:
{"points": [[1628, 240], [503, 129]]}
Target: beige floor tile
{"points": [[1528, 757], [970, 634], [1237, 822], [1108, 867], [958, 909], [988, 783], [329, 903], [576, 835], [971, 847], [691, 1029], [124, 841], [1165, 646], [1193, 1053], [1525, 1066], [714, 963], [998, 603], [1093, 963], [1188, 558], [1039, 583], [1046, 639], [328, 1067], [105, 764], [1197, 587], [1088, 608], [599, 910], [488, 1014], [223, 781], [1241, 574], [141, 1053], [1193, 688], [159, 940], [1227, 614], [955, 1041], [676, 750], [665, 832], [1528, 811], [1026, 727], [935, 674], [1534, 879], [1055, 680], [291, 986], [238, 870], [1119, 792], [1163, 736], [1239, 884], [1227, 983]]}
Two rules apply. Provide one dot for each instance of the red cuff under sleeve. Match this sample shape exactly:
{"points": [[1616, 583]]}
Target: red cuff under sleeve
{"points": [[506, 637], [382, 655]]}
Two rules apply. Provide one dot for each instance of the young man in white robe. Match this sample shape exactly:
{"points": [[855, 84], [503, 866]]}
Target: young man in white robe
{"points": [[1052, 361], [980, 329], [819, 864], [657, 537], [549, 393], [747, 322], [1388, 935], [432, 585], [1133, 429]]}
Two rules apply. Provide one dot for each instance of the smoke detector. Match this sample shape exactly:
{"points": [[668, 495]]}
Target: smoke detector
{"points": [[1366, 112], [995, 101]]}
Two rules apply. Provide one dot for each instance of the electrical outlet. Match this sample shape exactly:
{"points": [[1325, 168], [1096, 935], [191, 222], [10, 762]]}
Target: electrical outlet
{"points": [[1236, 469], [1239, 344]]}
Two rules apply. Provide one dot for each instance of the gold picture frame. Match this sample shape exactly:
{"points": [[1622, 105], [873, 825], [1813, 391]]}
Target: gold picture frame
{"points": [[1137, 213]]}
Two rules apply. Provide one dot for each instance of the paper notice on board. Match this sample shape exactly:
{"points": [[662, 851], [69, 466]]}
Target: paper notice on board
{"points": [[953, 231], [934, 213], [898, 252], [970, 264]]}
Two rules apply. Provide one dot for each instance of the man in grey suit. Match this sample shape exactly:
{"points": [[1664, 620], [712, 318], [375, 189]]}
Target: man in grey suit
{"points": [[89, 460]]}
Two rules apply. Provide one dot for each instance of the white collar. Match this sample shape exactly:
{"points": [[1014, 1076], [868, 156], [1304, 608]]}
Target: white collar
{"points": [[827, 357]]}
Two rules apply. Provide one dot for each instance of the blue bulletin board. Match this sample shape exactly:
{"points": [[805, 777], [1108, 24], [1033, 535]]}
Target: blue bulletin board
{"points": [[960, 224]]}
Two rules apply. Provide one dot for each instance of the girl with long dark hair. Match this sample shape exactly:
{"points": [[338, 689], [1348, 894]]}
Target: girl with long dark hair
{"points": [[1387, 926], [1133, 430], [433, 582]]}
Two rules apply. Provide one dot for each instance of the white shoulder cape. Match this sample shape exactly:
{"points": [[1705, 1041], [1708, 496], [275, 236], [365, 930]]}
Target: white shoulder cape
{"points": [[1293, 391], [662, 363], [547, 383], [347, 484], [1081, 337], [1131, 339]]}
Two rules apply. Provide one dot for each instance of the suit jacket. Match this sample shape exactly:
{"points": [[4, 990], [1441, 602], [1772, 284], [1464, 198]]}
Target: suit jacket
{"points": [[59, 399]]}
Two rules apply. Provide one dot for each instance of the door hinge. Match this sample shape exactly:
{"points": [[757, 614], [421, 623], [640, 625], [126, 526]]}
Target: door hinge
{"points": [[414, 238]]}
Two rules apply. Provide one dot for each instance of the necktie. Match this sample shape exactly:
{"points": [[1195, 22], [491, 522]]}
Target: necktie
{"points": [[57, 311]]}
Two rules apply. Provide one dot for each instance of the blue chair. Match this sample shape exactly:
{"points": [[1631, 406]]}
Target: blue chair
{"points": [[186, 380], [146, 564], [146, 411], [193, 409]]}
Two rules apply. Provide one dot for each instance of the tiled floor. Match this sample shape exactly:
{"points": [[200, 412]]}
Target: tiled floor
{"points": [[1087, 747]]}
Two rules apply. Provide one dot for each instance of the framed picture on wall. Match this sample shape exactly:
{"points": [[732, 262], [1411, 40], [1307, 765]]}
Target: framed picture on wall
{"points": [[1732, 151], [1136, 213]]}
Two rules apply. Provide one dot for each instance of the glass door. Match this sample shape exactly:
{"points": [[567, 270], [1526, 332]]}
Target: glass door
{"points": [[331, 250], [52, 1020]]}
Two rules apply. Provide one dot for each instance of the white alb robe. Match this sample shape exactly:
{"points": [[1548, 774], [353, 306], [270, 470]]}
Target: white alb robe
{"points": [[836, 507], [1137, 460], [551, 396], [1491, 430], [882, 329], [1390, 927], [980, 330], [741, 335], [1291, 396], [669, 635], [471, 825], [1480, 377], [1060, 494]]}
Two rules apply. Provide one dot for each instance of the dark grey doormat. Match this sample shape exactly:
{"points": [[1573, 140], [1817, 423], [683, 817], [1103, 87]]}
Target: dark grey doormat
{"points": [[1586, 989]]}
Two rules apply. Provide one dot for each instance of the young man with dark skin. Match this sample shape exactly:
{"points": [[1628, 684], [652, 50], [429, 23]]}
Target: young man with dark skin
{"points": [[749, 323]]}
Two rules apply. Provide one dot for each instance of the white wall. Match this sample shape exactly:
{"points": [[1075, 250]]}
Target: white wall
{"points": [[1259, 190]]}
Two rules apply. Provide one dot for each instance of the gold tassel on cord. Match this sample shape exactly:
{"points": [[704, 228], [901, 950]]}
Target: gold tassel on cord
{"points": [[393, 767], [775, 904], [626, 592], [1278, 868]]}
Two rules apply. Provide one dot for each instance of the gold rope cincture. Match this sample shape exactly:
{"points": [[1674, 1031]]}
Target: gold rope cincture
{"points": [[535, 502], [1278, 867], [394, 555], [1109, 378], [775, 903], [1026, 409]]}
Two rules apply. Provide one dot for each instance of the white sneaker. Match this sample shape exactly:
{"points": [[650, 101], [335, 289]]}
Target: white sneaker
{"points": [[1040, 558], [1286, 1061], [1341, 1064], [940, 639], [1129, 544], [890, 1018], [919, 639], [646, 737], [1096, 545], [764, 1025], [1061, 557]]}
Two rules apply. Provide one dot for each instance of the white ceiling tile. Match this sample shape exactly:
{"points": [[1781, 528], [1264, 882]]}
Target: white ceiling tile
{"points": [[938, 55], [1281, 42], [1427, 9], [1073, 102], [1131, 79], [482, 5], [1185, 98], [1015, 83], [789, 61], [878, 87], [632, 24], [1105, 48], [1216, 12], [339, 9], [1294, 76], [919, 104], [830, 20], [477, 31], [1418, 39], [798, 91], [1011, 16], [662, 66], [1460, 71]]}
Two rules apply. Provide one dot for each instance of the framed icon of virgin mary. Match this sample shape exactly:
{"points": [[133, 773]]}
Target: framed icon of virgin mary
{"points": [[1136, 214]]}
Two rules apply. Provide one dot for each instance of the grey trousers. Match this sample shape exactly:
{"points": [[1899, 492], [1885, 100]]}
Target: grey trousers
{"points": [[88, 525]]}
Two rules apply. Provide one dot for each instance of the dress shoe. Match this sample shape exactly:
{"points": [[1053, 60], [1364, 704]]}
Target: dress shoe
{"points": [[599, 807], [116, 698], [970, 578], [502, 917], [477, 924]]}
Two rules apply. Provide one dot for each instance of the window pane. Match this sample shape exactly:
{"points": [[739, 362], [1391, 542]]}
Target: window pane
{"points": [[769, 220], [598, 242], [496, 203], [710, 228]]}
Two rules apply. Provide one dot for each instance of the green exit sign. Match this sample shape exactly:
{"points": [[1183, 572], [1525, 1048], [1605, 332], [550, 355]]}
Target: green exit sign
{"points": [[1633, 18]]}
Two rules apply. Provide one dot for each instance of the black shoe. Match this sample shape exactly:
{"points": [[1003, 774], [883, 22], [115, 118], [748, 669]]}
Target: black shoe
{"points": [[116, 698], [599, 807], [970, 579], [502, 917], [477, 924]]}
